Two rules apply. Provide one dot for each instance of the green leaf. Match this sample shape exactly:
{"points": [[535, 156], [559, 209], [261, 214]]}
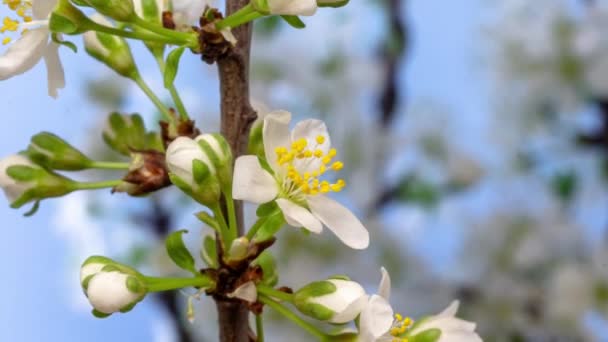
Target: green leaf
{"points": [[209, 252], [294, 21], [172, 65], [270, 227], [179, 253], [269, 268], [267, 209]]}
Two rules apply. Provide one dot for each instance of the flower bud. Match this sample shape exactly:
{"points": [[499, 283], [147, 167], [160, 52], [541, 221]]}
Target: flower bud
{"points": [[68, 19], [127, 133], [239, 248], [151, 11], [111, 286], [121, 10], [23, 181], [192, 171], [219, 153], [52, 152], [111, 50], [332, 300], [286, 7]]}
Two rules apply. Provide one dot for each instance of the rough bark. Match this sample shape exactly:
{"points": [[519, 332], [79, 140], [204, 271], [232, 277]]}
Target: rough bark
{"points": [[236, 118]]}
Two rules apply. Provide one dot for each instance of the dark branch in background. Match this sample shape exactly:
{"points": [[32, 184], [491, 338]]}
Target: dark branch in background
{"points": [[393, 53]]}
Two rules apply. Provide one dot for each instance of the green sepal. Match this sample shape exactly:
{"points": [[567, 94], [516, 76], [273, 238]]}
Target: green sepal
{"points": [[68, 19], [57, 40], [172, 65], [134, 285], [430, 335], [269, 268], [179, 253], [270, 227], [207, 219], [345, 337], [99, 314], [52, 152], [23, 173], [333, 4], [33, 210], [126, 133], [200, 171], [255, 144], [121, 10], [339, 277], [209, 252], [267, 209], [294, 21], [129, 307], [301, 300], [43, 184]]}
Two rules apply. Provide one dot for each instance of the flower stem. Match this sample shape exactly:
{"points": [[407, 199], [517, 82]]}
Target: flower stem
{"points": [[232, 224], [274, 293], [96, 185], [166, 284], [242, 16], [138, 35], [278, 307], [179, 104], [224, 230], [186, 37], [259, 327], [109, 165], [256, 226], [157, 102]]}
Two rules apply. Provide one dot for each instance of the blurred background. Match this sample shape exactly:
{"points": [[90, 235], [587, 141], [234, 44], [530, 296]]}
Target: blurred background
{"points": [[475, 138]]}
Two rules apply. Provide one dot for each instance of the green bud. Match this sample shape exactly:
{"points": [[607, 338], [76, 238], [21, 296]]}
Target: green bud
{"points": [[68, 19], [121, 10], [151, 11], [23, 181], [111, 50], [127, 133], [334, 300], [238, 249], [52, 152]]}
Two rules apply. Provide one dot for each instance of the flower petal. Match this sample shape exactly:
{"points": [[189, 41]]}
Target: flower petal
{"points": [[54, 69], [298, 216], [251, 182], [384, 289], [24, 53], [42, 8], [339, 220], [376, 318], [276, 134], [310, 130], [247, 292], [291, 7]]}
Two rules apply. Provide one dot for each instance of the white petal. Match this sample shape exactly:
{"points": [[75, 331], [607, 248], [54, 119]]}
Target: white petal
{"points": [[108, 292], [180, 155], [339, 220], [298, 216], [460, 336], [310, 130], [384, 289], [13, 189], [24, 53], [42, 8], [54, 69], [293, 7], [247, 292], [376, 318], [451, 310], [276, 134], [251, 182]]}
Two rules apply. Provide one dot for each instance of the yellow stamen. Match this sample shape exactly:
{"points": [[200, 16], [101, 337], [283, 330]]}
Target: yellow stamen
{"points": [[320, 139], [6, 40]]}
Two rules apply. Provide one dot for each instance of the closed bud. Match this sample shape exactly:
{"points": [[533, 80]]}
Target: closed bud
{"points": [[68, 19], [121, 10], [219, 153], [127, 133], [239, 249], [152, 11], [333, 300], [192, 171], [111, 50], [332, 3], [52, 152], [23, 181], [110, 286]]}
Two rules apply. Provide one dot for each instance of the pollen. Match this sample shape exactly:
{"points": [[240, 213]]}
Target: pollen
{"points": [[301, 154], [23, 10], [400, 326]]}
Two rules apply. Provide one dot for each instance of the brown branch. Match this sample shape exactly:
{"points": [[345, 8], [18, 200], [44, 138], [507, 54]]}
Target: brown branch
{"points": [[236, 118]]}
